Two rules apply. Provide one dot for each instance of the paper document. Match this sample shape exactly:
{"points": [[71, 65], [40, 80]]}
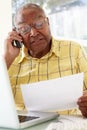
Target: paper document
{"points": [[56, 94]]}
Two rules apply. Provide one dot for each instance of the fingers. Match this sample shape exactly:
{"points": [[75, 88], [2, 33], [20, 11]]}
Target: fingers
{"points": [[82, 103], [14, 36], [83, 111]]}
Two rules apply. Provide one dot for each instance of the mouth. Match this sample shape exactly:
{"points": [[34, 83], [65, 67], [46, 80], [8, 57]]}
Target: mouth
{"points": [[36, 41]]}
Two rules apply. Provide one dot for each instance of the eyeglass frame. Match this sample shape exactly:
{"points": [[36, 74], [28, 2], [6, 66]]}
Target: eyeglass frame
{"points": [[30, 27]]}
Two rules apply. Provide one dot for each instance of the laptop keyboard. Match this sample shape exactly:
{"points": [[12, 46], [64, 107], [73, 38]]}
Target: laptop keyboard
{"points": [[26, 118]]}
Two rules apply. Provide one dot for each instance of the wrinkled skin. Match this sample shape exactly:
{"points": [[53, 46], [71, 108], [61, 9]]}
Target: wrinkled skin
{"points": [[37, 41]]}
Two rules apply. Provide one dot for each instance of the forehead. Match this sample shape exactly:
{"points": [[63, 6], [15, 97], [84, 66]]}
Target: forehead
{"points": [[28, 15]]}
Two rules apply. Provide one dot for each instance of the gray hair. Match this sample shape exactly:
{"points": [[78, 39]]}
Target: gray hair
{"points": [[30, 5]]}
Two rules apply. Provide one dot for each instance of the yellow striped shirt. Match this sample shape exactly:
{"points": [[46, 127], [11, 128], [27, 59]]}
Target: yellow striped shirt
{"points": [[65, 58]]}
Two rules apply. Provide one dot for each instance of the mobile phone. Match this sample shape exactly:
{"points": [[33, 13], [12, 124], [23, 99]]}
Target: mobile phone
{"points": [[17, 44]]}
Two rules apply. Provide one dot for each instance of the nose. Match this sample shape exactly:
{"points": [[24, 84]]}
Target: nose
{"points": [[33, 32]]}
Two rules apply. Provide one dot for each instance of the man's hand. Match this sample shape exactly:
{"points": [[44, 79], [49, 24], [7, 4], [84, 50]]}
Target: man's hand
{"points": [[82, 102], [11, 52]]}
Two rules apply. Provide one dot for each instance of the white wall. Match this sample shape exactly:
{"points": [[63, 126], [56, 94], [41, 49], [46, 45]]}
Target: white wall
{"points": [[5, 20]]}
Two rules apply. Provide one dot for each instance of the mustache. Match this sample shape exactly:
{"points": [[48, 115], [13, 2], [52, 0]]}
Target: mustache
{"points": [[35, 39]]}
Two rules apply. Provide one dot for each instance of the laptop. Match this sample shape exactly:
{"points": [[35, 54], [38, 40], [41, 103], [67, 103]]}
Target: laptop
{"points": [[9, 116]]}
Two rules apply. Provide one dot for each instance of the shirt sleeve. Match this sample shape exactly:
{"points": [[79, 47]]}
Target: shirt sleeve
{"points": [[82, 64]]}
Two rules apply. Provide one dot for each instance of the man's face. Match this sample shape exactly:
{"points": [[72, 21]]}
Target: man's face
{"points": [[34, 28]]}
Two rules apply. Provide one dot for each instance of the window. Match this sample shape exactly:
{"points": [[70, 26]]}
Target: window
{"points": [[70, 21]]}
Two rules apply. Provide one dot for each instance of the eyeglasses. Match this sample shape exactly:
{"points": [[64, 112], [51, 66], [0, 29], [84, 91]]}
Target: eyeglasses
{"points": [[26, 28]]}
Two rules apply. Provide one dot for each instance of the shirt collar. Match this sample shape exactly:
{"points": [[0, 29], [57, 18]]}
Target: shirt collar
{"points": [[54, 49]]}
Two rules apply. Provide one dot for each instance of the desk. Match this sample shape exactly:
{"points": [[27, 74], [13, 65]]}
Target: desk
{"points": [[74, 122], [41, 126]]}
